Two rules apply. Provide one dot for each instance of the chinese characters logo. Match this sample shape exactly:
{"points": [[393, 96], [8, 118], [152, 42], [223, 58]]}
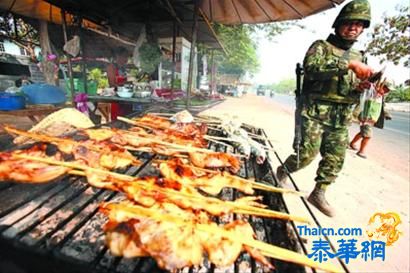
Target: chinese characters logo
{"points": [[381, 230]]}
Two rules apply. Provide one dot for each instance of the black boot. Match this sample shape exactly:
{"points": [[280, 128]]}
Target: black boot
{"points": [[281, 175], [317, 199]]}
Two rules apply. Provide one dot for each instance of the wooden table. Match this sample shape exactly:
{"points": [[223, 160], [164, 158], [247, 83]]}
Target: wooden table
{"points": [[35, 113]]}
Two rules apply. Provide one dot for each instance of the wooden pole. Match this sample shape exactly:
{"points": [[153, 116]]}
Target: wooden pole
{"points": [[213, 73], [192, 54], [83, 62], [70, 68], [174, 44]]}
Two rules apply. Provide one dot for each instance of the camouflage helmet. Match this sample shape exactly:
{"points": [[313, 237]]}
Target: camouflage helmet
{"points": [[355, 10]]}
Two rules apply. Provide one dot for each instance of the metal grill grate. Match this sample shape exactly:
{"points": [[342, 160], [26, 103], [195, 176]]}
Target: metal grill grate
{"points": [[55, 227]]}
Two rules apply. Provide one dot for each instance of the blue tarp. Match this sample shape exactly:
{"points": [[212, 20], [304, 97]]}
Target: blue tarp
{"points": [[41, 93]]}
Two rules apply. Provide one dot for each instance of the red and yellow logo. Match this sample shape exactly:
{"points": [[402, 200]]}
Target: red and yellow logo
{"points": [[383, 227]]}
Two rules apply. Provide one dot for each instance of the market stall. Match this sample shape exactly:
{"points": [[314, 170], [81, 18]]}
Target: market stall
{"points": [[57, 225]]}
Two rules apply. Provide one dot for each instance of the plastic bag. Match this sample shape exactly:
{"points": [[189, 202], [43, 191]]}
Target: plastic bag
{"points": [[370, 105], [72, 47]]}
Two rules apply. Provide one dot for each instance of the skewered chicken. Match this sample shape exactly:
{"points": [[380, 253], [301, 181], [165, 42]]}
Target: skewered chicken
{"points": [[107, 159], [184, 125], [134, 236], [98, 154], [215, 160], [178, 238], [170, 145], [158, 121], [149, 191], [211, 183], [137, 137], [23, 170]]}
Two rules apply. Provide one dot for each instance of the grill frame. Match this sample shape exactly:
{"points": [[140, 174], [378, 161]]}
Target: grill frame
{"points": [[46, 257]]}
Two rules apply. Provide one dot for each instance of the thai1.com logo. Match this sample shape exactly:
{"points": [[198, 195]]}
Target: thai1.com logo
{"points": [[381, 232]]}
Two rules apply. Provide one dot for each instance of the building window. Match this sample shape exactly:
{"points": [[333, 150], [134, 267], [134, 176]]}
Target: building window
{"points": [[2, 47], [23, 51]]}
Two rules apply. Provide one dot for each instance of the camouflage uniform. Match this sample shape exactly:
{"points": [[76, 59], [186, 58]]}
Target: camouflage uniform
{"points": [[328, 97]]}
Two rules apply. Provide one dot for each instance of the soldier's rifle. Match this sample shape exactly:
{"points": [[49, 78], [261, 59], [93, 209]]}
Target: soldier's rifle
{"points": [[298, 118]]}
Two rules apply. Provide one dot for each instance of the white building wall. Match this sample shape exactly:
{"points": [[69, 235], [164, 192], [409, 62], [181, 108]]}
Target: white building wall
{"points": [[12, 48]]}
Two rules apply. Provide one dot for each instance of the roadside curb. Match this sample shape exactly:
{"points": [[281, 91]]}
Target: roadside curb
{"points": [[398, 106]]}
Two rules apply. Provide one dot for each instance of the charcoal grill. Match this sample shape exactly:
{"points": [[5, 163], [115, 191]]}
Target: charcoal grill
{"points": [[56, 227]]}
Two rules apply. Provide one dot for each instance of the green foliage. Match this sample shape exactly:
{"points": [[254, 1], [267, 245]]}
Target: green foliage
{"points": [[150, 57], [177, 84], [402, 93], [270, 30], [241, 54], [391, 40], [97, 75], [240, 42], [139, 75], [285, 86]]}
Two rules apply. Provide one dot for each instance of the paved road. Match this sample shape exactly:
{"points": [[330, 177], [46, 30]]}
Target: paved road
{"points": [[400, 124], [388, 144]]}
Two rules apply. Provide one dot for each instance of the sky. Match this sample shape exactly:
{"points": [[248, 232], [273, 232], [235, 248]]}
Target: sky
{"points": [[278, 58]]}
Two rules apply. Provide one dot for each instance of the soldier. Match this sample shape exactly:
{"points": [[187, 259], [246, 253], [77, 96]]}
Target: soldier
{"points": [[332, 73]]}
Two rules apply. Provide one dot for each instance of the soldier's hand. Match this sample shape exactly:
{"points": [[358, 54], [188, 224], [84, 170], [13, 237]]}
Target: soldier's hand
{"points": [[361, 70], [363, 85]]}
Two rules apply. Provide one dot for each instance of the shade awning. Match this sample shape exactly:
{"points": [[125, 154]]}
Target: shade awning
{"points": [[122, 17], [234, 12], [37, 9]]}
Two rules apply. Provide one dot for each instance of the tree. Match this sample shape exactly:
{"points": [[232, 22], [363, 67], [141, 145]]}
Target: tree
{"points": [[240, 43], [285, 86], [391, 40], [241, 54], [402, 93], [20, 32]]}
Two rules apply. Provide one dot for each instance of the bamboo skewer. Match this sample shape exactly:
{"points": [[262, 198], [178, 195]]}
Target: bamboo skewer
{"points": [[213, 138], [215, 128], [172, 114], [46, 138], [138, 123], [219, 142], [265, 249], [174, 145], [252, 135], [42, 137], [256, 185], [200, 119], [246, 209], [76, 172], [188, 149], [51, 139], [132, 122]]}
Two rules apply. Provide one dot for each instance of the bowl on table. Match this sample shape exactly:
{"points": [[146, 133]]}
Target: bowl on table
{"points": [[125, 93], [9, 102]]}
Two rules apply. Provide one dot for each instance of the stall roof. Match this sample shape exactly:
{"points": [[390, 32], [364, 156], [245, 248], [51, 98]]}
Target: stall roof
{"points": [[37, 9], [262, 11], [125, 17]]}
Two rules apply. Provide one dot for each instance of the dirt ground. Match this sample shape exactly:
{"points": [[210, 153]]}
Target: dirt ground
{"points": [[363, 187]]}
